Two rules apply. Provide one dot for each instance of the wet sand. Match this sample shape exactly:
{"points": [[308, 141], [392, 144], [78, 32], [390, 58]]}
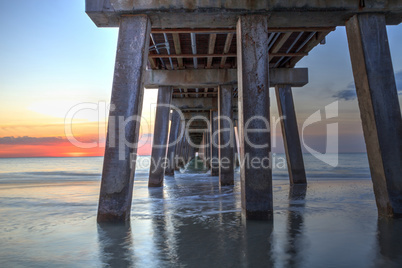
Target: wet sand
{"points": [[191, 222]]}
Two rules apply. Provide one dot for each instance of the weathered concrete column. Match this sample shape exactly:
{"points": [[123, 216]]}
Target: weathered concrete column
{"points": [[290, 133], [179, 145], [183, 151], [379, 108], [214, 143], [254, 134], [235, 153], [174, 133], [187, 152], [161, 129], [190, 153], [226, 139], [201, 151], [237, 144], [127, 93], [208, 148]]}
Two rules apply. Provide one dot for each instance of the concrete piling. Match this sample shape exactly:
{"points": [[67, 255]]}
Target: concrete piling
{"points": [[226, 136], [214, 143], [179, 145], [253, 82], [379, 107], [158, 157], [127, 92], [265, 57], [173, 135], [290, 133]]}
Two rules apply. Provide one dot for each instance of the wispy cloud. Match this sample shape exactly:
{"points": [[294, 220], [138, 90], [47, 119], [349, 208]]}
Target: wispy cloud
{"points": [[26, 140], [349, 93]]}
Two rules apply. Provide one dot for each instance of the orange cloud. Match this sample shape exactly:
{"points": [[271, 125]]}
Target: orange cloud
{"points": [[59, 146]]}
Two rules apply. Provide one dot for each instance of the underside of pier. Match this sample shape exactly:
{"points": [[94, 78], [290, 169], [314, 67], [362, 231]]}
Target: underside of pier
{"points": [[214, 63]]}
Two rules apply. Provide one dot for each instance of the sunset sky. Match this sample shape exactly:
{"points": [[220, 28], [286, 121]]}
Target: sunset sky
{"points": [[53, 58]]}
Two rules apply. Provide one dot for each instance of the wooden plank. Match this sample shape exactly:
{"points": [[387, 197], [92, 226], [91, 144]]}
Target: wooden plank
{"points": [[309, 46], [177, 47], [152, 63], [299, 29], [226, 48], [192, 55], [279, 43], [193, 93], [196, 30], [205, 91], [288, 54], [229, 55], [211, 49], [233, 30]]}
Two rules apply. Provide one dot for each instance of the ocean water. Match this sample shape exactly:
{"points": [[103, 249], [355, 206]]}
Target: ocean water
{"points": [[48, 219]]}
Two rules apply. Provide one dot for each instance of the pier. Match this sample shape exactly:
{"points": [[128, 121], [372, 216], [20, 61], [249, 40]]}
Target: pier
{"points": [[214, 64]]}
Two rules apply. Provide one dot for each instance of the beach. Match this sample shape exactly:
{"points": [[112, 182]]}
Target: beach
{"points": [[48, 212]]}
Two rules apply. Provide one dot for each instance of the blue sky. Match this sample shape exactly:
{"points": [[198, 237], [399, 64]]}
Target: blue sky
{"points": [[51, 52]]}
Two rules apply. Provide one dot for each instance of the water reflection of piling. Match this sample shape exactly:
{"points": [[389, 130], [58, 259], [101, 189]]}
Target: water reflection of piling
{"points": [[390, 240], [258, 244], [164, 233], [297, 195], [116, 243]]}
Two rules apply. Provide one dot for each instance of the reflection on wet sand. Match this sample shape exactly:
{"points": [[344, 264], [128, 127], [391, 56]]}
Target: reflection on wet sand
{"points": [[218, 240], [164, 237], [259, 244], [297, 195], [197, 224], [115, 242], [390, 241], [193, 222]]}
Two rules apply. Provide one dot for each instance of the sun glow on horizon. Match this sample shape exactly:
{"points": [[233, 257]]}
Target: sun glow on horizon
{"points": [[45, 135]]}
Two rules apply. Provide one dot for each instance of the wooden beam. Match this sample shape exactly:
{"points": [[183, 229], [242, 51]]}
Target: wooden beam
{"points": [[309, 46], [191, 55], [229, 55], [211, 49], [279, 43], [196, 30], [152, 63], [299, 29], [177, 47], [194, 93], [206, 91], [233, 30], [226, 48], [288, 54]]}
